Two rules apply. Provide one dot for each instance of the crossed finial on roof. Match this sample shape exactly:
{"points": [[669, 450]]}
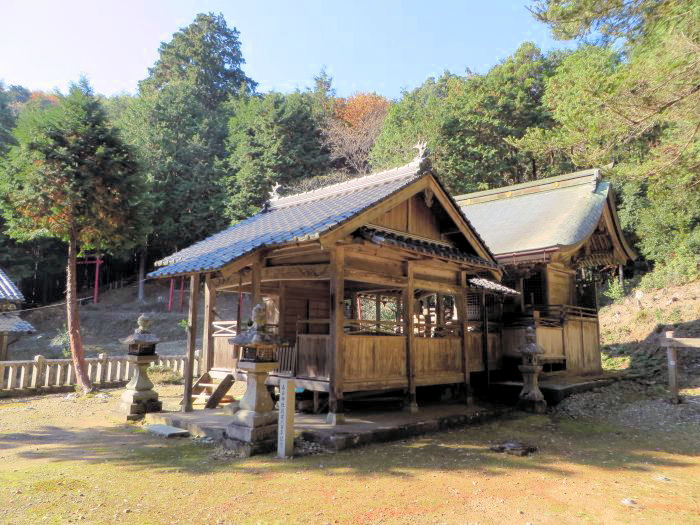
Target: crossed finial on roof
{"points": [[274, 194], [422, 148]]}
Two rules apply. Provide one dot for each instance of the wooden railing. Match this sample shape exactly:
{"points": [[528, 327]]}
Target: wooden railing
{"points": [[41, 375], [368, 327], [438, 330], [555, 314], [287, 358]]}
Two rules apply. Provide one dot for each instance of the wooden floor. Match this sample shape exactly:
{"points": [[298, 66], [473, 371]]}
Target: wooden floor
{"points": [[360, 428]]}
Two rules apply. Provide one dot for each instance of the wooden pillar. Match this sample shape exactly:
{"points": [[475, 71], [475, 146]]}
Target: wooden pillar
{"points": [[191, 341], [461, 305], [337, 293], [485, 338], [440, 310], [408, 299], [282, 306], [255, 284], [521, 289], [4, 338], [354, 305], [378, 311], [208, 335], [239, 310]]}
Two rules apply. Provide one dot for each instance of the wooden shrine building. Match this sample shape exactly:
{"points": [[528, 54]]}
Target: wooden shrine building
{"points": [[368, 280], [10, 322], [551, 237]]}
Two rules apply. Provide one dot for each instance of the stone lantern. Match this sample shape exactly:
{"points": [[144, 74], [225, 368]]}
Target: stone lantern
{"points": [[531, 398], [139, 396], [255, 421]]}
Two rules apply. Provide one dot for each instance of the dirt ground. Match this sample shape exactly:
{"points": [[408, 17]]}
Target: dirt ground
{"points": [[66, 460]]}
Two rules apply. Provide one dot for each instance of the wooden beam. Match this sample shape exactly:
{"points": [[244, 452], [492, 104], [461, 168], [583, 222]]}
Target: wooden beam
{"points": [[461, 304], [299, 272], [337, 346], [373, 278], [208, 335], [422, 284], [256, 279], [485, 338], [408, 292], [191, 341]]}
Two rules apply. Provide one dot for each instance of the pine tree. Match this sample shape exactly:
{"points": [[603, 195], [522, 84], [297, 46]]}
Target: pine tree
{"points": [[70, 177], [272, 139]]}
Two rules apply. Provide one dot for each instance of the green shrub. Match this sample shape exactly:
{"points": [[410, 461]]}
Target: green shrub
{"points": [[615, 290], [61, 342], [680, 269]]}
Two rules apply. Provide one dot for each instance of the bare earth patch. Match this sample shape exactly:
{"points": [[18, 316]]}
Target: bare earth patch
{"points": [[68, 460]]}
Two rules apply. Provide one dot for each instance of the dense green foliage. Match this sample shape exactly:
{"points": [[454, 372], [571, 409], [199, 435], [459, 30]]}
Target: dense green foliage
{"points": [[273, 139], [70, 176], [207, 56], [634, 108], [470, 123], [178, 124]]}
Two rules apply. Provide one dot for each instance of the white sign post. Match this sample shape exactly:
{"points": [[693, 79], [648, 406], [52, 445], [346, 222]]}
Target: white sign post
{"points": [[285, 426]]}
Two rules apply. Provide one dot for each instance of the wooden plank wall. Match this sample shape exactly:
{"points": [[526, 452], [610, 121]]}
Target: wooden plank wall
{"points": [[560, 285], [374, 362], [550, 339], [305, 301], [411, 216], [438, 361], [224, 353], [313, 359]]}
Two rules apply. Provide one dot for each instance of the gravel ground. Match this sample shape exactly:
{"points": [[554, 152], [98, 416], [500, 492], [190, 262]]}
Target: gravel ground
{"points": [[633, 404]]}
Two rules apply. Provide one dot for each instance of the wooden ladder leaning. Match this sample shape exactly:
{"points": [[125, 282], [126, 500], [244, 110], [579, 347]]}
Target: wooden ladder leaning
{"points": [[212, 388]]}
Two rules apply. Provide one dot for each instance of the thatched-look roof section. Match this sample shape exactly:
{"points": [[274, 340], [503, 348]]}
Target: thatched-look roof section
{"points": [[533, 219]]}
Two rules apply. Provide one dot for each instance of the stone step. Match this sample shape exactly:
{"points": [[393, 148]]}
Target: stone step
{"points": [[167, 431]]}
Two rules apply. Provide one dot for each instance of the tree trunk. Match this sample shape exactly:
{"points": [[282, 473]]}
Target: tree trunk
{"points": [[76, 342], [142, 275]]}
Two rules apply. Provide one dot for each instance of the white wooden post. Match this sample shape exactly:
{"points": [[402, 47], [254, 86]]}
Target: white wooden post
{"points": [[285, 425], [102, 368]]}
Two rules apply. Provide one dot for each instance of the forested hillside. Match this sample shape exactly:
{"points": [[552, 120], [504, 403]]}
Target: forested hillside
{"points": [[209, 147]]}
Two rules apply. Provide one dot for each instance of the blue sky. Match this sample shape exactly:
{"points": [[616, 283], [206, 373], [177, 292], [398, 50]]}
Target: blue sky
{"points": [[380, 46]]}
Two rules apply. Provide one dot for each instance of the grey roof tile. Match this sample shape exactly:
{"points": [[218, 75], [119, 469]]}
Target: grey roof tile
{"points": [[8, 291], [11, 322], [298, 217]]}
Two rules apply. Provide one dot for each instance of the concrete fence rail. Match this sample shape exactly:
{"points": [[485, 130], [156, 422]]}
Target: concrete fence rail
{"points": [[41, 375]]}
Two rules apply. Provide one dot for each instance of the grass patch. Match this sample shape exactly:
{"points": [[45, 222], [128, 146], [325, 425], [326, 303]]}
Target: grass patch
{"points": [[611, 362]]}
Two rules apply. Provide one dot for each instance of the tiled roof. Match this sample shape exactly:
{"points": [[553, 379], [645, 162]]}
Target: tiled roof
{"points": [[380, 235], [12, 323], [8, 291], [491, 286], [295, 218], [554, 212]]}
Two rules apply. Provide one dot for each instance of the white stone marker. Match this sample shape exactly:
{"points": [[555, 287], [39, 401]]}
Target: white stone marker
{"points": [[285, 425]]}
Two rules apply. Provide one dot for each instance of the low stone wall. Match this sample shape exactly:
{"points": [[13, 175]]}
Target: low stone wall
{"points": [[41, 375]]}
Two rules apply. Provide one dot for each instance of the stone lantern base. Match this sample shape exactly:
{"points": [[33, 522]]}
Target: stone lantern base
{"points": [[139, 397], [254, 424], [531, 398]]}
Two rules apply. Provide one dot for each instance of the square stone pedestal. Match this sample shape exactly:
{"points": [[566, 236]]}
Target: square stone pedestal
{"points": [[139, 397], [253, 428]]}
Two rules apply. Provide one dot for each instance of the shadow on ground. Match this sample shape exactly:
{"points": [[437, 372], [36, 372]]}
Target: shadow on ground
{"points": [[559, 441]]}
